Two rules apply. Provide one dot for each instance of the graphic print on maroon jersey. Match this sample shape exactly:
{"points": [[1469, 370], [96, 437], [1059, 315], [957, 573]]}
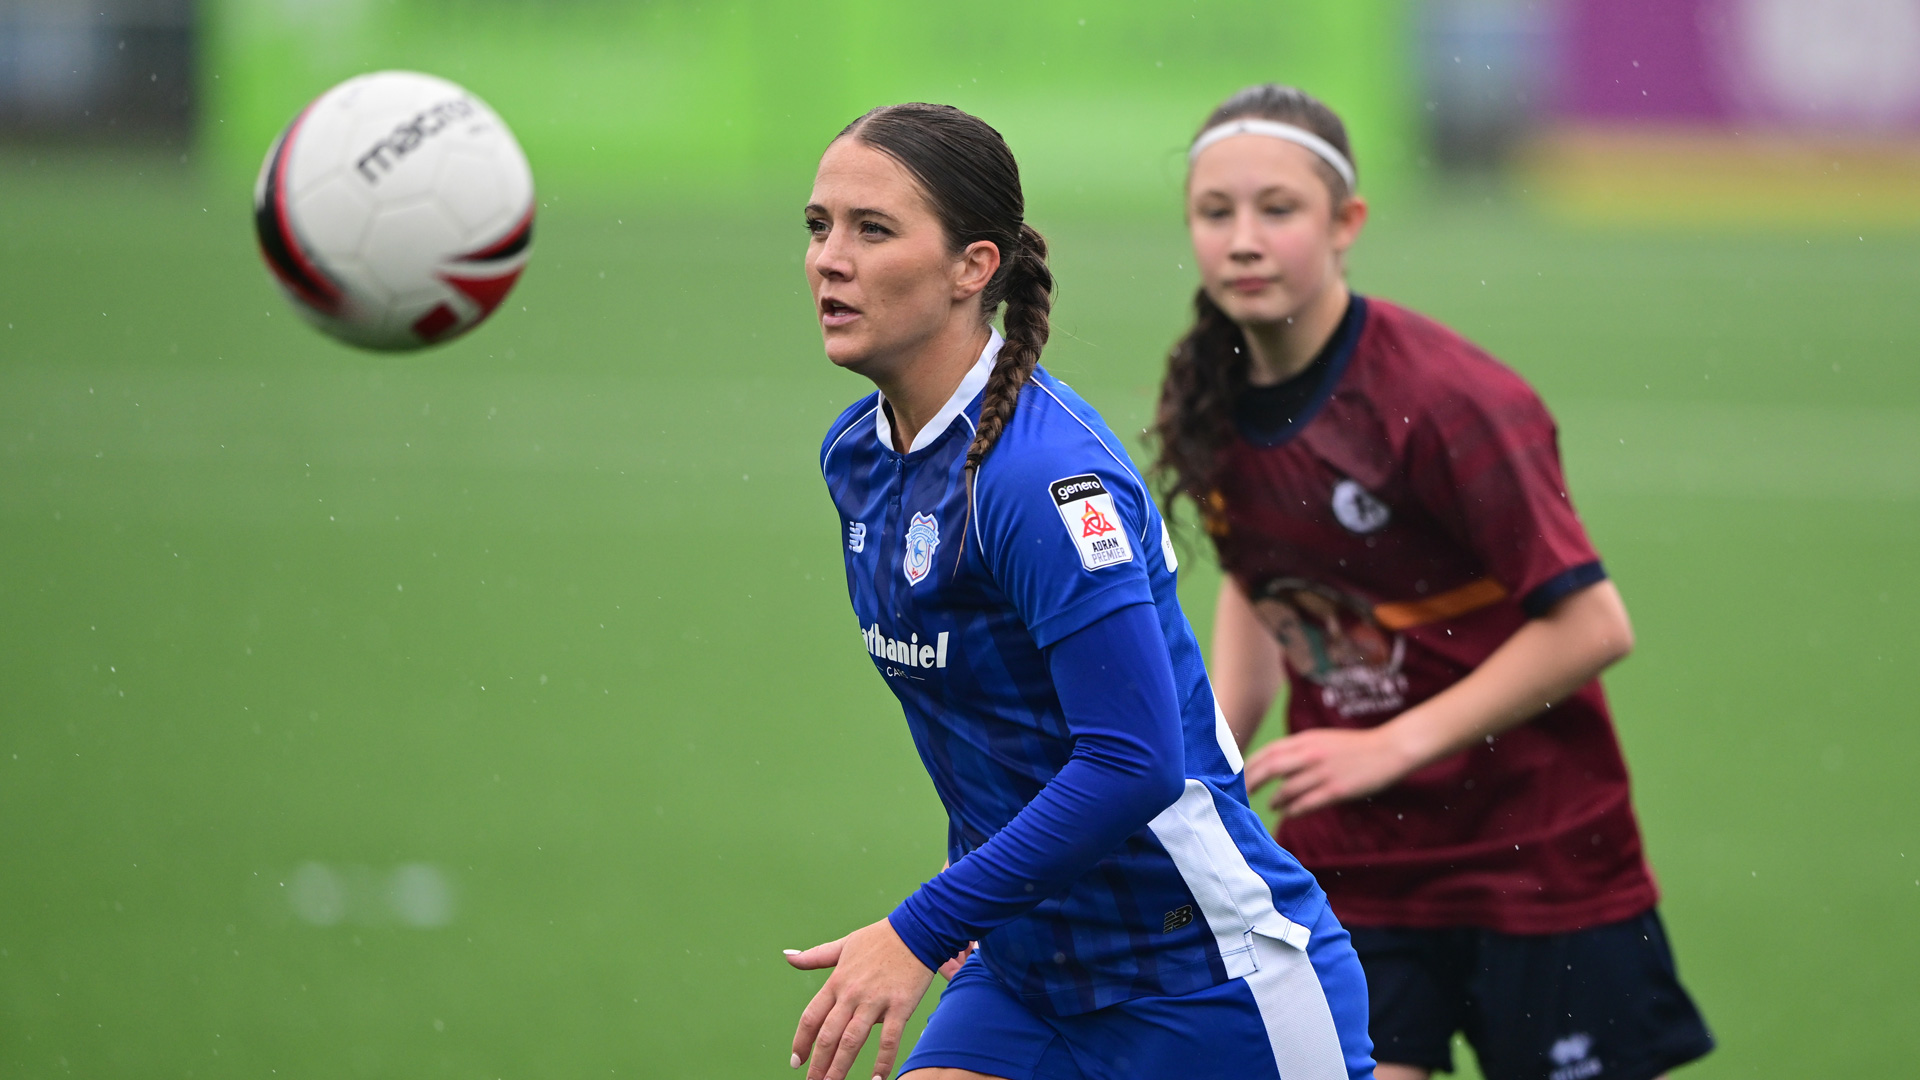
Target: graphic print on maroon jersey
{"points": [[1334, 641]]}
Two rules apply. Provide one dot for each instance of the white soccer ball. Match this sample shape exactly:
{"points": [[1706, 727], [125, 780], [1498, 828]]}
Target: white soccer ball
{"points": [[396, 211]]}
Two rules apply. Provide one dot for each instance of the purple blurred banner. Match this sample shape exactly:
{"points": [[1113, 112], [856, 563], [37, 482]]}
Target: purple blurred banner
{"points": [[1812, 66]]}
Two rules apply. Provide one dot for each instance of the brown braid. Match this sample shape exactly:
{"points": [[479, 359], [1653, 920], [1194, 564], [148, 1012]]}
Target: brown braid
{"points": [[1207, 369], [1029, 300]]}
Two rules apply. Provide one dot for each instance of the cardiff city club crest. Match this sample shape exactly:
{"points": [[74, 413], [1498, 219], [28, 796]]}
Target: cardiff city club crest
{"points": [[923, 535]]}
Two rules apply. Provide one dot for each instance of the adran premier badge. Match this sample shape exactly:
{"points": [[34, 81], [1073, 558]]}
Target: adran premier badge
{"points": [[1088, 512]]}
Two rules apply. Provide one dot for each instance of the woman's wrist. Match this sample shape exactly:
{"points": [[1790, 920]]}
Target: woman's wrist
{"points": [[1412, 741], [919, 938]]}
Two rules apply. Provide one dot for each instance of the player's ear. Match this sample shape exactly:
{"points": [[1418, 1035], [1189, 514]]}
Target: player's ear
{"points": [[1348, 219], [974, 268]]}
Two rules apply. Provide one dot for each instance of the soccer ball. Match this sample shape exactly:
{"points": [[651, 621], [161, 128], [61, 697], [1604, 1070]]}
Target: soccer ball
{"points": [[396, 211]]}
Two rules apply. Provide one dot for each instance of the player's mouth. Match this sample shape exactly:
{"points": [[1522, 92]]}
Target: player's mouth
{"points": [[836, 313], [1250, 285]]}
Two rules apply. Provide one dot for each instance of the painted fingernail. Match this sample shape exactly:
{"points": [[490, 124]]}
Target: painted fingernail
{"points": [[794, 1063], [790, 952]]}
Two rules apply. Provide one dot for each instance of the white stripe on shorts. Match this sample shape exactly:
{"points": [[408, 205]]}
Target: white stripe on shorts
{"points": [[1293, 1005], [1256, 942], [1236, 902]]}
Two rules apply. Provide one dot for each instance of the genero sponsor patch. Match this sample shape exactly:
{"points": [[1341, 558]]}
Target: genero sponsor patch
{"points": [[1091, 520]]}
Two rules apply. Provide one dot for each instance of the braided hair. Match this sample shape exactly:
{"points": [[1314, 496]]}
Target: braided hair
{"points": [[971, 179], [1207, 369]]}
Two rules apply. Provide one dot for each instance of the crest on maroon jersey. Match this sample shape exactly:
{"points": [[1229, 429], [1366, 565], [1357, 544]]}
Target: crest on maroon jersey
{"points": [[1359, 509]]}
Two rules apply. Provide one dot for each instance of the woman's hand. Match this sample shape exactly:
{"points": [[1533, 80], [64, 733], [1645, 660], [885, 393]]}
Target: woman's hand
{"points": [[1545, 660], [876, 980], [1324, 766]]}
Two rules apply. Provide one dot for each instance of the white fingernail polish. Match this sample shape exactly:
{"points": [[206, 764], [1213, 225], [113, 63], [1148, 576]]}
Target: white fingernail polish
{"points": [[795, 1063], [790, 952]]}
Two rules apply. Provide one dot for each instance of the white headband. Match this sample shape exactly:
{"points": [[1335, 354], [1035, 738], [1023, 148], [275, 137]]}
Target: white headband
{"points": [[1276, 130]]}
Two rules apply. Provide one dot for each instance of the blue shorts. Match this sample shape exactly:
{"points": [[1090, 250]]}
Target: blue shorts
{"points": [[1302, 1016]]}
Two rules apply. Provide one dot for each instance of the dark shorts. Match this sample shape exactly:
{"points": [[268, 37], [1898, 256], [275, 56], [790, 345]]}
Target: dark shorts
{"points": [[1601, 1002]]}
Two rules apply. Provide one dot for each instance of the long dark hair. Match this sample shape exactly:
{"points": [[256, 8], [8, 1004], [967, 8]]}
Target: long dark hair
{"points": [[973, 182], [1207, 369]]}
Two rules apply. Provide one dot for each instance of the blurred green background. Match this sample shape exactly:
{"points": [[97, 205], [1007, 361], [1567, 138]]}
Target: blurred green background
{"points": [[715, 102], [496, 711]]}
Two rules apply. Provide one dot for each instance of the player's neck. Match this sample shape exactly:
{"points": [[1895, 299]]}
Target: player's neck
{"points": [[1277, 351], [920, 385]]}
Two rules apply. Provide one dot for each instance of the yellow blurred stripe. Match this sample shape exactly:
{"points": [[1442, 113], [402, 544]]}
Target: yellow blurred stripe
{"points": [[1714, 176]]}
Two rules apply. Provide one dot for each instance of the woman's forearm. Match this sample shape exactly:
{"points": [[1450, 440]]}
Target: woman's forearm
{"points": [[1246, 667], [1116, 688], [1539, 666]]}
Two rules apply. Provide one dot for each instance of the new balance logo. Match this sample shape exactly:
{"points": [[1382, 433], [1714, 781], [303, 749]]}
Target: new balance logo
{"points": [[1177, 918]]}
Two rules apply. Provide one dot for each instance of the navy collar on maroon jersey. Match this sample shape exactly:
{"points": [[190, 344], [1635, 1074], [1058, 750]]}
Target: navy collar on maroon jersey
{"points": [[1301, 398]]}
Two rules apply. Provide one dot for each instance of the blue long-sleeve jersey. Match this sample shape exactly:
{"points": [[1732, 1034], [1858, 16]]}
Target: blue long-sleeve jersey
{"points": [[1091, 867]]}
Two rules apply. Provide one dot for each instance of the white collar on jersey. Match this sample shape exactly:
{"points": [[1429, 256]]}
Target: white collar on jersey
{"points": [[969, 388]]}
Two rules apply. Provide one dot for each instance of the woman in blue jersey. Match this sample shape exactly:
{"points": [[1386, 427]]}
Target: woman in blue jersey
{"points": [[1014, 586]]}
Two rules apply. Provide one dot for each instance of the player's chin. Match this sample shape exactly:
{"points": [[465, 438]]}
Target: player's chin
{"points": [[1265, 311], [1269, 305], [846, 346]]}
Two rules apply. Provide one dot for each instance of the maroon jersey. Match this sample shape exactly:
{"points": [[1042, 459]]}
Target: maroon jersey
{"points": [[1393, 536]]}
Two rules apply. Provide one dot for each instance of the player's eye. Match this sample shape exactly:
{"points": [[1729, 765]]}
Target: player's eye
{"points": [[1215, 213], [1279, 210], [874, 229], [817, 227]]}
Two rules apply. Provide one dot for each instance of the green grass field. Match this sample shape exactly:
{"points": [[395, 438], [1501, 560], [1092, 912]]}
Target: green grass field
{"points": [[497, 712]]}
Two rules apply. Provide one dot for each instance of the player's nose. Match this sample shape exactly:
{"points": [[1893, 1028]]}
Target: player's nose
{"points": [[1245, 245], [833, 259]]}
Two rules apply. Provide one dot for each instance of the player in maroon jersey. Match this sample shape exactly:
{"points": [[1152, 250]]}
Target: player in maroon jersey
{"points": [[1388, 504]]}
